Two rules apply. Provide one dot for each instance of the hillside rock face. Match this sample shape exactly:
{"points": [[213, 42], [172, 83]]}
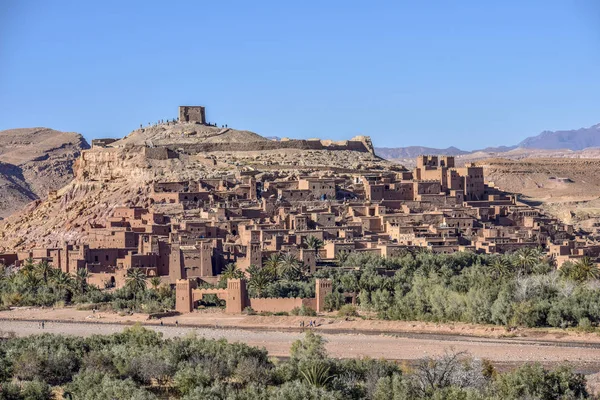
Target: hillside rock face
{"points": [[573, 140], [34, 161], [122, 173]]}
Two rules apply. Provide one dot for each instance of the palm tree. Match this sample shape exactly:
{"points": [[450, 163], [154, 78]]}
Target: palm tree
{"points": [[44, 269], [341, 258], [155, 281], [526, 258], [583, 270], [231, 271], [272, 263], [63, 283], [29, 266], [259, 279], [289, 267], [314, 243], [499, 267], [31, 280], [135, 280], [82, 277]]}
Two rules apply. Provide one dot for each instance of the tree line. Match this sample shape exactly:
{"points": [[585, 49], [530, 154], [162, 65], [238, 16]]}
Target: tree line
{"points": [[40, 284]]}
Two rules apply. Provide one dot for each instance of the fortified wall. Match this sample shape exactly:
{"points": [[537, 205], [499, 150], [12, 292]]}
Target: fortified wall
{"points": [[237, 299]]}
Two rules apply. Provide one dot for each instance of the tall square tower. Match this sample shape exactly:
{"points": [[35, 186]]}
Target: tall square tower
{"points": [[192, 114]]}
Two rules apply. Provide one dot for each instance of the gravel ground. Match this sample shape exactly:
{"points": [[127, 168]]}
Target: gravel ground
{"points": [[397, 347]]}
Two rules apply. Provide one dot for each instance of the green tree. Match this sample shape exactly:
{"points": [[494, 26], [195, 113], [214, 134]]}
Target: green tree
{"points": [[232, 272], [44, 270], [526, 258], [314, 243], [272, 263], [289, 267], [582, 270], [499, 267], [155, 282], [82, 279], [63, 283], [312, 347], [341, 258], [259, 280], [135, 280]]}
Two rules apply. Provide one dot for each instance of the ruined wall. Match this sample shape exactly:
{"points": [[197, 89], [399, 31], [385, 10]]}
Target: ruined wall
{"points": [[361, 145], [159, 153]]}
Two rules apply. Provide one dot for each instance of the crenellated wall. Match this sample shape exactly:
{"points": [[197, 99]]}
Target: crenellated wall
{"points": [[237, 298]]}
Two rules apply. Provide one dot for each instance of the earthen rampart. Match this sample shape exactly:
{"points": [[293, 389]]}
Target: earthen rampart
{"points": [[280, 304], [360, 144]]}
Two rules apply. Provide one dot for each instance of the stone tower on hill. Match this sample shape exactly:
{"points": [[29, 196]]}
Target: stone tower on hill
{"points": [[192, 114]]}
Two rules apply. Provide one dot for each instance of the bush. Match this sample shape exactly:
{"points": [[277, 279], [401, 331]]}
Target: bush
{"points": [[249, 311], [348, 310], [138, 364], [585, 325], [36, 390], [303, 311]]}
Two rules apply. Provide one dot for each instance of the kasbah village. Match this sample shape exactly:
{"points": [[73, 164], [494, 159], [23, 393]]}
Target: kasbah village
{"points": [[226, 219]]}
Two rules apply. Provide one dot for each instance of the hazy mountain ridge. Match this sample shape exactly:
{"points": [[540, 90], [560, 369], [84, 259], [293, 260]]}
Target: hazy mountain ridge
{"points": [[579, 139], [414, 151], [575, 140]]}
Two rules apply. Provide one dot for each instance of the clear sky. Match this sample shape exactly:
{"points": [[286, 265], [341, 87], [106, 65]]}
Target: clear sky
{"points": [[434, 73]]}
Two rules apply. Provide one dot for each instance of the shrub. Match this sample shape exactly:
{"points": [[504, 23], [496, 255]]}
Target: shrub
{"points": [[585, 325], [249, 311], [348, 310], [303, 311]]}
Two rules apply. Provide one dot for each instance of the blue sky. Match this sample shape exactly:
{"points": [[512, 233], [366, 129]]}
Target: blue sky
{"points": [[434, 73]]}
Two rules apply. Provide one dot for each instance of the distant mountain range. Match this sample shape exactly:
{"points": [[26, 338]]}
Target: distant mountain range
{"points": [[575, 140], [414, 151]]}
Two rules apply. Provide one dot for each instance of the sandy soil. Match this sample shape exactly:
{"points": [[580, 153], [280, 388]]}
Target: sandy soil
{"points": [[215, 318], [344, 345], [353, 338]]}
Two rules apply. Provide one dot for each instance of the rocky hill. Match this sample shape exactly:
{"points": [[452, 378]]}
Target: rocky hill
{"points": [[34, 161], [122, 173], [568, 188], [190, 133]]}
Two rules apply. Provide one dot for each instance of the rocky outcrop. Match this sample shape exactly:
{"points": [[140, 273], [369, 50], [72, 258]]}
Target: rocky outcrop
{"points": [[33, 162]]}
